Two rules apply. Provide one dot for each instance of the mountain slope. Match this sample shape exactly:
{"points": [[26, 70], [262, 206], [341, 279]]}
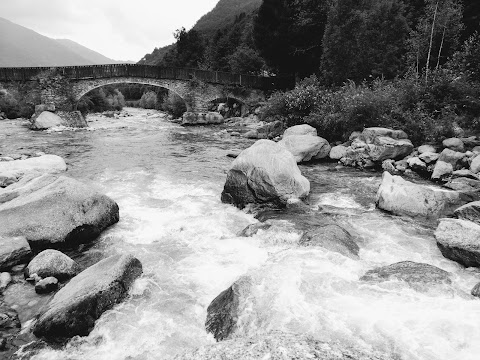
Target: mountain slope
{"points": [[224, 13], [20, 46], [86, 53]]}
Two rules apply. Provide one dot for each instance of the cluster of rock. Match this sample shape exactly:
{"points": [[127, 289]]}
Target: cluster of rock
{"points": [[2, 115], [43, 211], [371, 147], [210, 118], [46, 117], [457, 236], [454, 161]]}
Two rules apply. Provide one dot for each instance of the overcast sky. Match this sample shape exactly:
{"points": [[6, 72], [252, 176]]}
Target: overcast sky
{"points": [[118, 29]]}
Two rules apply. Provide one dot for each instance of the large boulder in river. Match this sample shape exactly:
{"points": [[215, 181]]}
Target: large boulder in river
{"points": [[45, 164], [303, 129], [402, 197], [48, 120], [306, 147], [331, 237], [281, 346], [264, 173], [55, 212], [417, 275], [52, 263], [459, 240], [75, 308], [13, 251]]}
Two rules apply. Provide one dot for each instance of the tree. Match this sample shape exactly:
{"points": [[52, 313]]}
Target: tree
{"points": [[437, 35], [188, 51], [246, 60], [364, 40], [288, 34]]}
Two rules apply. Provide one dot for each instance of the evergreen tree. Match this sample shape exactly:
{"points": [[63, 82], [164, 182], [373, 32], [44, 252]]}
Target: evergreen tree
{"points": [[288, 34], [363, 40]]}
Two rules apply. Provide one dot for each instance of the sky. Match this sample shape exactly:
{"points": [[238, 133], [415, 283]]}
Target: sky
{"points": [[118, 29]]}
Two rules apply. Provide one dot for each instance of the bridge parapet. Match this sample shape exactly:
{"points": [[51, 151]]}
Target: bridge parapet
{"points": [[147, 71]]}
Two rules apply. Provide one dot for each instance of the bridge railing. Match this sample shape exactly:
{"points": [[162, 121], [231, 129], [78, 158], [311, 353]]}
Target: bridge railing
{"points": [[148, 71]]}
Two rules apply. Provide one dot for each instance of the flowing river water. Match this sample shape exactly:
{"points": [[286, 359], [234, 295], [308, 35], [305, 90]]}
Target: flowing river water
{"points": [[167, 180]]}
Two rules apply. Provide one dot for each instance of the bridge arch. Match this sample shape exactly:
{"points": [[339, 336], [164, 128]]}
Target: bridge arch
{"points": [[80, 89]]}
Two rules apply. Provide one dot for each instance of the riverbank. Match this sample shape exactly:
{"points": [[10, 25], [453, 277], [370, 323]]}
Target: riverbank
{"points": [[167, 181]]}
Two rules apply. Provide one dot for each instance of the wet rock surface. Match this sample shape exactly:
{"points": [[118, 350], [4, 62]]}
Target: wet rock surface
{"points": [[53, 212], [458, 240], [332, 237], [76, 307], [418, 275], [223, 311]]}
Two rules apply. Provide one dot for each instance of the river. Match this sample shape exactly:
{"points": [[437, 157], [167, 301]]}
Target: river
{"points": [[167, 180]]}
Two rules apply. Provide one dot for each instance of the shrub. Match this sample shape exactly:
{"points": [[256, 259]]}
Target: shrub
{"points": [[148, 100], [427, 112], [174, 104]]}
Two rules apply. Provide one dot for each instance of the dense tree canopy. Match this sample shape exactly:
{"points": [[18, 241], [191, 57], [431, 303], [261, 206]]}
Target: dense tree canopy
{"points": [[338, 40]]}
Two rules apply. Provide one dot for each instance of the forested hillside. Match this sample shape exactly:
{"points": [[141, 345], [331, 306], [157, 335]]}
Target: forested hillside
{"points": [[338, 40], [224, 14]]}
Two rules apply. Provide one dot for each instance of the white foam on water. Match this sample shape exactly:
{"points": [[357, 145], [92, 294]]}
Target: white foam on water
{"points": [[339, 200], [185, 239]]}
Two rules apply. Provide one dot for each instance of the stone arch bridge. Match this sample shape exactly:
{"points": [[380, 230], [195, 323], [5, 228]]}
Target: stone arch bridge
{"points": [[63, 87]]}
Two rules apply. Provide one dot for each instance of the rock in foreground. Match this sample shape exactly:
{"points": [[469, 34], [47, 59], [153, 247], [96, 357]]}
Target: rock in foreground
{"points": [[53, 212], [402, 197], [264, 173], [76, 307], [459, 240], [280, 346], [418, 276]]}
